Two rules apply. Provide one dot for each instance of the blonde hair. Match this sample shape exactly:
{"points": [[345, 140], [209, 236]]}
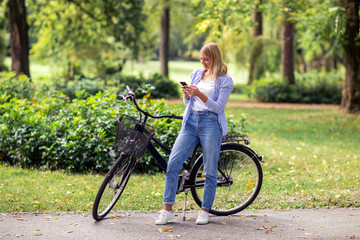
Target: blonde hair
{"points": [[217, 66]]}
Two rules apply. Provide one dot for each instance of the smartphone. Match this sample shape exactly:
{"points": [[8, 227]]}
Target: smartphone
{"points": [[183, 83]]}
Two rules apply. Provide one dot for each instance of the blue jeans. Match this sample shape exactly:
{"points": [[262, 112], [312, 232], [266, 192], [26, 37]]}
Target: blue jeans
{"points": [[201, 127]]}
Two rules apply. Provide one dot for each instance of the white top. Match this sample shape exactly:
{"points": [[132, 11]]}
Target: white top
{"points": [[207, 88]]}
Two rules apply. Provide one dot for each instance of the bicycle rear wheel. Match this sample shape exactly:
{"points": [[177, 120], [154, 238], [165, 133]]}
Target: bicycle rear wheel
{"points": [[112, 186], [239, 180]]}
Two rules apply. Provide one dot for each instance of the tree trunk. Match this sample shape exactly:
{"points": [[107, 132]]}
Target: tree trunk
{"points": [[302, 60], [350, 101], [257, 49], [164, 44], [287, 51], [19, 40]]}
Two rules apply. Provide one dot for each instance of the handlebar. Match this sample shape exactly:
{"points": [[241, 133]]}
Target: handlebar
{"points": [[131, 96]]}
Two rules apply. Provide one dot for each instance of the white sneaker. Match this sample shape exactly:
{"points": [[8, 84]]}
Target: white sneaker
{"points": [[165, 217], [203, 218]]}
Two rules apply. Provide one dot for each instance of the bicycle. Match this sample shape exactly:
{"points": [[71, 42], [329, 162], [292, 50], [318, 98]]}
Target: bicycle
{"points": [[239, 171]]}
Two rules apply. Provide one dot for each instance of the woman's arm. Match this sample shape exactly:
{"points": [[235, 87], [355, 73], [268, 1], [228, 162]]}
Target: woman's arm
{"points": [[224, 93]]}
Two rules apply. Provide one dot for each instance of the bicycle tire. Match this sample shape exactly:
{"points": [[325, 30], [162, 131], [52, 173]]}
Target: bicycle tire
{"points": [[241, 166], [113, 186]]}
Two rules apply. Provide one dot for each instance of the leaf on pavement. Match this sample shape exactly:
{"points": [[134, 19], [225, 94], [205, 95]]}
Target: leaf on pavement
{"points": [[37, 232], [172, 236], [169, 229]]}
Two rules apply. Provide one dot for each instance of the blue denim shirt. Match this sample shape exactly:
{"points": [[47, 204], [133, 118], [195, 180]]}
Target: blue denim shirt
{"points": [[217, 104]]}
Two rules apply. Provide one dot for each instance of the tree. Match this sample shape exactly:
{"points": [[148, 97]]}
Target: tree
{"points": [[287, 48], [256, 34], [19, 40], [98, 36], [319, 32], [164, 43], [350, 101], [287, 52]]}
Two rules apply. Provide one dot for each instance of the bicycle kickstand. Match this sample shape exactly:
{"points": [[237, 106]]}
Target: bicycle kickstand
{"points": [[186, 193]]}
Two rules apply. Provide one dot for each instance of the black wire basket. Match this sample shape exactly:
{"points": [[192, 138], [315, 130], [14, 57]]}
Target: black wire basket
{"points": [[131, 138]]}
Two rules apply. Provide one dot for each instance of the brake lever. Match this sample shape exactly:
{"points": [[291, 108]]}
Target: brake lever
{"points": [[123, 97]]}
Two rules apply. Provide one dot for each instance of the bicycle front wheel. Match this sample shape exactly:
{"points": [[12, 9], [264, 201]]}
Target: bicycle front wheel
{"points": [[238, 183], [113, 186]]}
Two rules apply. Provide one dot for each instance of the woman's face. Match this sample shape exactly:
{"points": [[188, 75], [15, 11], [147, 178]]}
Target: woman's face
{"points": [[205, 61]]}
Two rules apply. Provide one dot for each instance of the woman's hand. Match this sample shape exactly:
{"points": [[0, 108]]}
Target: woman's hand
{"points": [[194, 91], [185, 91]]}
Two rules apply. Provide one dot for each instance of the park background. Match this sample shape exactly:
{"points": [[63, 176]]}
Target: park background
{"points": [[63, 63]]}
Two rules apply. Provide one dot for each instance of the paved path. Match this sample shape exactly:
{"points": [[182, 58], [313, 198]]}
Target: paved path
{"points": [[248, 225]]}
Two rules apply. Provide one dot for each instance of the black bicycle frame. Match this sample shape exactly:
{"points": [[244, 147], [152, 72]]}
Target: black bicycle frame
{"points": [[187, 164], [161, 161]]}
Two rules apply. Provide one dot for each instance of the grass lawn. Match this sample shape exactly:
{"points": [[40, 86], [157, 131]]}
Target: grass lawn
{"points": [[180, 70], [312, 160]]}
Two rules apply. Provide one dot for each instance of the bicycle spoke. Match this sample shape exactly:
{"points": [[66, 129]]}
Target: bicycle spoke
{"points": [[239, 181]]}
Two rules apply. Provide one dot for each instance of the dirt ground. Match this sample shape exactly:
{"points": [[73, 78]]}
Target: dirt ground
{"points": [[253, 104]]}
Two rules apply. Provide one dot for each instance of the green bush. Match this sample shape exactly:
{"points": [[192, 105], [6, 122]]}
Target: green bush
{"points": [[71, 88], [157, 84], [51, 132], [309, 88], [15, 87], [239, 88]]}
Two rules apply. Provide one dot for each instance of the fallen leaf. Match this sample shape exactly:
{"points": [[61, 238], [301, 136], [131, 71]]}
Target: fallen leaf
{"points": [[172, 236], [187, 219], [169, 229], [20, 219], [37, 232], [223, 223], [21, 235], [250, 184], [70, 231], [47, 217], [242, 217], [268, 229], [255, 211], [308, 234], [147, 222], [56, 217]]}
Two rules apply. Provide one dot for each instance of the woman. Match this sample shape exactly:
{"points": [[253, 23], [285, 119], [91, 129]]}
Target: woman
{"points": [[204, 121]]}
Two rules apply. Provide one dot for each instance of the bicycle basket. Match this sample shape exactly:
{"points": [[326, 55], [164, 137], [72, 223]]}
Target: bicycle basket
{"points": [[128, 138]]}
